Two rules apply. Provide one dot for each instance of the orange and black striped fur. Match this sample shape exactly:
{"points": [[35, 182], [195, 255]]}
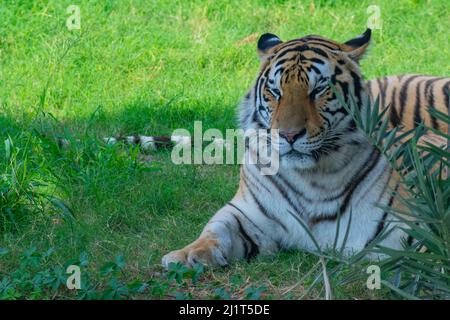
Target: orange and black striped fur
{"points": [[327, 168], [409, 97]]}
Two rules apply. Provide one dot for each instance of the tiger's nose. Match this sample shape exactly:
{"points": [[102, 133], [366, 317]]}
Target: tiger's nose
{"points": [[292, 135]]}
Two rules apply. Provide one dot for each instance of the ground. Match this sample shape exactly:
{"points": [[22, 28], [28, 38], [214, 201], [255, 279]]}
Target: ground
{"points": [[149, 68]]}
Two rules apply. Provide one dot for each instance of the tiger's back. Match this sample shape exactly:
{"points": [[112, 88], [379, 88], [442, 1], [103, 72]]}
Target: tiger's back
{"points": [[409, 97]]}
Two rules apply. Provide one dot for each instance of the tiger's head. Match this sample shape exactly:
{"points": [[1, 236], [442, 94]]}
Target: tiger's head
{"points": [[292, 94]]}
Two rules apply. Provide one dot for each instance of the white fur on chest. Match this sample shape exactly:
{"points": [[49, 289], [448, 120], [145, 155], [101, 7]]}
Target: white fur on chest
{"points": [[310, 195]]}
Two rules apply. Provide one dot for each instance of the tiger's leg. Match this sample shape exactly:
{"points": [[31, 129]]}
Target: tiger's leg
{"points": [[230, 235]]}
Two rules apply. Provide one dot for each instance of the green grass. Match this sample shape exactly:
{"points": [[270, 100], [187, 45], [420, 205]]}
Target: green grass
{"points": [[149, 68]]}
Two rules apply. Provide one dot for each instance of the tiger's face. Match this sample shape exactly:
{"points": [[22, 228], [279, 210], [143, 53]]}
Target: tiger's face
{"points": [[293, 94]]}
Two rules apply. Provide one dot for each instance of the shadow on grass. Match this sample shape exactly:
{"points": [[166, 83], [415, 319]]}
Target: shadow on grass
{"points": [[120, 203]]}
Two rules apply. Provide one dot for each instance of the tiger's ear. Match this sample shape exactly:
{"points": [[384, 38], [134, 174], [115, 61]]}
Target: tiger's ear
{"points": [[266, 42], [357, 46]]}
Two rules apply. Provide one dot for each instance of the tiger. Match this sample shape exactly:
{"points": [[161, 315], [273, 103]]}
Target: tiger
{"points": [[329, 172]]}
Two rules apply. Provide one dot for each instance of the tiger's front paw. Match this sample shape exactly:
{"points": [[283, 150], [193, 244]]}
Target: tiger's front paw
{"points": [[203, 251]]}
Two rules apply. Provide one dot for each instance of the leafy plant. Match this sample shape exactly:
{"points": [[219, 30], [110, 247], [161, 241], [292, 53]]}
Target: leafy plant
{"points": [[420, 270], [181, 273], [36, 278], [254, 292]]}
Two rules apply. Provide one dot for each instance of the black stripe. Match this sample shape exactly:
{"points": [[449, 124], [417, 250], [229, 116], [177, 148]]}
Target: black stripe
{"points": [[369, 88], [445, 91], [409, 240], [284, 194], [369, 165], [256, 92], [301, 48], [249, 177], [260, 89], [382, 93], [248, 181], [313, 67], [277, 243], [284, 51], [379, 89], [288, 44], [393, 115], [321, 41], [253, 251], [259, 82], [279, 71], [318, 51], [430, 100], [345, 188], [417, 116], [264, 211], [379, 228], [315, 60], [322, 44], [344, 87], [357, 86], [162, 144], [342, 110], [281, 61], [376, 153], [381, 223], [403, 97], [245, 216], [296, 192], [385, 88]]}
